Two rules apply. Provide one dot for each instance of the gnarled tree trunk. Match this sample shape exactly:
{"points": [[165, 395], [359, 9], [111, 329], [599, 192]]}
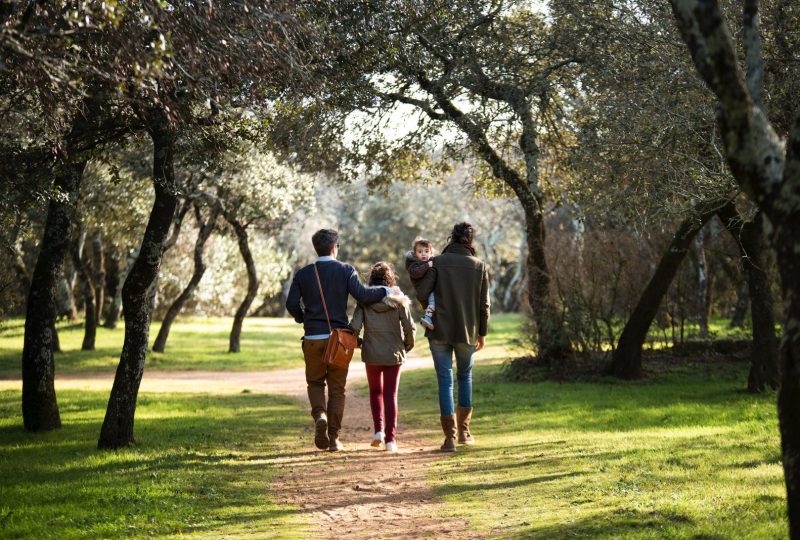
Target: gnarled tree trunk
{"points": [[252, 285], [206, 228], [117, 430], [626, 362], [39, 405], [770, 175]]}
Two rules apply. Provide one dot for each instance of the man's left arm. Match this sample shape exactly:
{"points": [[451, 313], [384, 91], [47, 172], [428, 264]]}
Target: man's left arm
{"points": [[293, 305], [363, 294]]}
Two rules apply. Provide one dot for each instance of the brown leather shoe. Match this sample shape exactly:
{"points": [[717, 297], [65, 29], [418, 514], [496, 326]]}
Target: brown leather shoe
{"points": [[449, 429], [464, 415], [321, 439]]}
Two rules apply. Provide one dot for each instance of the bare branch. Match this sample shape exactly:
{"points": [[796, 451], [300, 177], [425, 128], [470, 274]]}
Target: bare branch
{"points": [[423, 105]]}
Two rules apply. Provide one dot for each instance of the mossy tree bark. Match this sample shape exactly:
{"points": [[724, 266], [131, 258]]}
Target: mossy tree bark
{"points": [[39, 404], [117, 429]]}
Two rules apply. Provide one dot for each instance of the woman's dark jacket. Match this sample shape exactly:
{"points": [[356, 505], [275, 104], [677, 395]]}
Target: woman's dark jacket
{"points": [[460, 283]]}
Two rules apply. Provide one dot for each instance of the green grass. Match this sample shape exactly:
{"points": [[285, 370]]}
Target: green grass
{"points": [[200, 344], [202, 467], [686, 454], [195, 344]]}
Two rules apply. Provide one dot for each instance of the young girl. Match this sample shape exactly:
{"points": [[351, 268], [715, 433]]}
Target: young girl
{"points": [[388, 336]]}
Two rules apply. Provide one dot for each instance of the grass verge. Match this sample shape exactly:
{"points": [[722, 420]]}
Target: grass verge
{"points": [[201, 468], [194, 344], [685, 454]]}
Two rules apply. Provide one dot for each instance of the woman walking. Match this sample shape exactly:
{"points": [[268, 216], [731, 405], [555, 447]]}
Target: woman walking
{"points": [[460, 284], [388, 336]]}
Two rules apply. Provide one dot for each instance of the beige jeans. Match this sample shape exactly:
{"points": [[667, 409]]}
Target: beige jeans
{"points": [[317, 375]]}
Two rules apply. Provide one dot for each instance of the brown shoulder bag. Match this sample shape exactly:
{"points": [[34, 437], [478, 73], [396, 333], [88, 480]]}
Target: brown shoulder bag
{"points": [[342, 341]]}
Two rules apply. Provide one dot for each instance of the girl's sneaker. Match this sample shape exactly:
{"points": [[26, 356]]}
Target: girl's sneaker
{"points": [[391, 446], [377, 439]]}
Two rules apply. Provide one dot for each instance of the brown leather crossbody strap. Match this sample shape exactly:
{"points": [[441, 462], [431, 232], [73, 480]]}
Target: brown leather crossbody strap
{"points": [[322, 294]]}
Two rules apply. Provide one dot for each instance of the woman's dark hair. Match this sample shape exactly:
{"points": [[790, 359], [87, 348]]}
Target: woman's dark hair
{"points": [[463, 234], [382, 273]]}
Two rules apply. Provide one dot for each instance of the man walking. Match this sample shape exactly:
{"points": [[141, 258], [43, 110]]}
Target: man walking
{"points": [[304, 303]]}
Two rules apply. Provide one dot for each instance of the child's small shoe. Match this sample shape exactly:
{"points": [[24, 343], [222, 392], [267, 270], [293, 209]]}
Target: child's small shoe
{"points": [[427, 322], [377, 439], [391, 446]]}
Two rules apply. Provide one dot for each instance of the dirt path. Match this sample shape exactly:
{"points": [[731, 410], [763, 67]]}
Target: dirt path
{"points": [[366, 492], [357, 494]]}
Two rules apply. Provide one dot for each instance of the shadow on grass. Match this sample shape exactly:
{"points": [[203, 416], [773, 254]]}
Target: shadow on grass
{"points": [[193, 468], [611, 524]]}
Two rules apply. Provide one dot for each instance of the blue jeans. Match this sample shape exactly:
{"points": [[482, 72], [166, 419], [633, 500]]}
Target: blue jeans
{"points": [[442, 353]]}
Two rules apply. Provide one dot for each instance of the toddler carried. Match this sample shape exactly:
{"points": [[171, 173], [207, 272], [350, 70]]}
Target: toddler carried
{"points": [[418, 261]]}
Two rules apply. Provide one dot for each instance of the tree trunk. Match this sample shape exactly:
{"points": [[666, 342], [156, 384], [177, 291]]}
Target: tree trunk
{"points": [[116, 306], [56, 341], [84, 275], [206, 228], [769, 173], [764, 355], [740, 309], [65, 301], [117, 430], [787, 247], [99, 276], [512, 298], [111, 286], [73, 273], [626, 361], [703, 294], [252, 286], [39, 405], [20, 271], [551, 341]]}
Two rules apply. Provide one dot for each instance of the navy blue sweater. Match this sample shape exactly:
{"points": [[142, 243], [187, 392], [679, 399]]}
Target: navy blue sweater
{"points": [[338, 281]]}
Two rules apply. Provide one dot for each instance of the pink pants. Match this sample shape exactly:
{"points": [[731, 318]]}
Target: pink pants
{"points": [[383, 384]]}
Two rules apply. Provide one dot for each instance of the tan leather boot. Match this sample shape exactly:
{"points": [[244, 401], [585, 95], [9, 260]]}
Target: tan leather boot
{"points": [[463, 416], [449, 429]]}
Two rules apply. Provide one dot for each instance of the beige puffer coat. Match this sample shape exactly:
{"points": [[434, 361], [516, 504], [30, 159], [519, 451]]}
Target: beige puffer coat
{"points": [[388, 330]]}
